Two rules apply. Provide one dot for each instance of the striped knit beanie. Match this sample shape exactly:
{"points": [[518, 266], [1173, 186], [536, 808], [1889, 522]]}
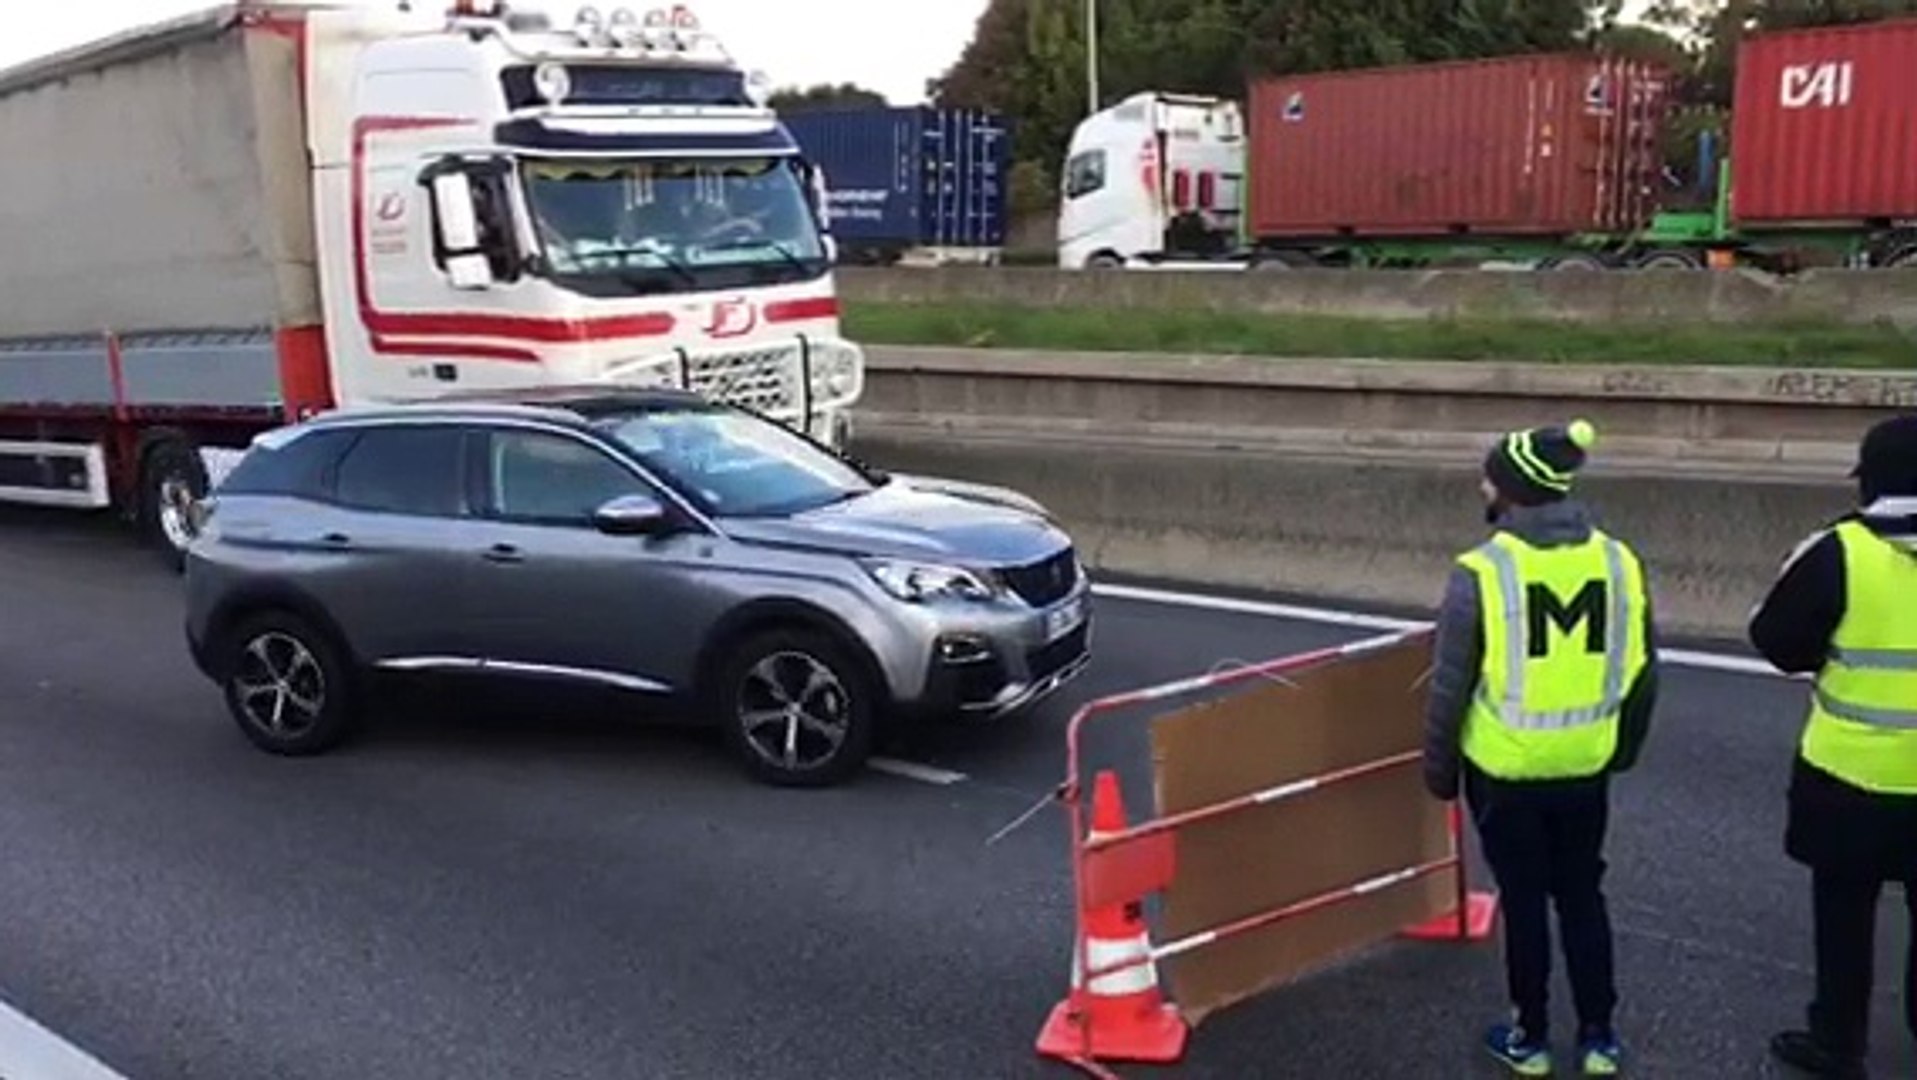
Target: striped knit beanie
{"points": [[1535, 467]]}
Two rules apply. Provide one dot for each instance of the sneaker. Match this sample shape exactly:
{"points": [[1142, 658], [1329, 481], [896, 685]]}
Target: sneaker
{"points": [[1600, 1055], [1517, 1051], [1802, 1051]]}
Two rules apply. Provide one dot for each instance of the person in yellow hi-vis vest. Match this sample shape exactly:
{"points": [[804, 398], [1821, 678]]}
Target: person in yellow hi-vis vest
{"points": [[1844, 609], [1544, 686]]}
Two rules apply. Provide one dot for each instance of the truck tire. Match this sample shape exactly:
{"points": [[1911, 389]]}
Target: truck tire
{"points": [[1670, 259], [1579, 261], [1104, 260], [171, 478]]}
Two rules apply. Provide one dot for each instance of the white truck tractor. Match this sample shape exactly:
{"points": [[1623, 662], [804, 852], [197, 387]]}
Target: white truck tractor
{"points": [[217, 224]]}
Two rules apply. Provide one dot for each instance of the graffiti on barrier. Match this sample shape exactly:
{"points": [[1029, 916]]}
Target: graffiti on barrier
{"points": [[1827, 388], [1634, 381]]}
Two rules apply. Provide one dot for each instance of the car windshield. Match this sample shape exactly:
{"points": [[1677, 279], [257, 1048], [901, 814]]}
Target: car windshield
{"points": [[673, 226], [735, 464]]}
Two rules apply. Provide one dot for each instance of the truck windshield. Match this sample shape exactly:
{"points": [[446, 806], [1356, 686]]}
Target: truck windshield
{"points": [[673, 226]]}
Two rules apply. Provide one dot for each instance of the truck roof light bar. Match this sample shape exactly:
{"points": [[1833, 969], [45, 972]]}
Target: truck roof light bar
{"points": [[674, 29]]}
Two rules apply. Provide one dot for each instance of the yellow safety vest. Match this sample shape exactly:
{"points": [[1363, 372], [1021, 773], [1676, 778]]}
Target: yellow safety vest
{"points": [[1863, 722], [1563, 642]]}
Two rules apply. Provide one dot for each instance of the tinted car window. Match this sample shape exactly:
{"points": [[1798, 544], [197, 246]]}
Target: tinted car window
{"points": [[553, 479], [403, 470], [296, 468]]}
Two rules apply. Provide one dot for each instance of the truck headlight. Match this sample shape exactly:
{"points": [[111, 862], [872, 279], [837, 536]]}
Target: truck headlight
{"points": [[919, 582], [838, 370]]}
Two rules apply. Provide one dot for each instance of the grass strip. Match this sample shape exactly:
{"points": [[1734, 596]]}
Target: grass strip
{"points": [[1785, 344]]}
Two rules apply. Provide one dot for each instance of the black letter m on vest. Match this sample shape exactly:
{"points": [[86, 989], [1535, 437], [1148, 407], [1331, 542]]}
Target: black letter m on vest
{"points": [[1542, 609]]}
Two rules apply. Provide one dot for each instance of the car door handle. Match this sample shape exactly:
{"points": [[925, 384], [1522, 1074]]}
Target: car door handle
{"points": [[336, 540], [504, 553]]}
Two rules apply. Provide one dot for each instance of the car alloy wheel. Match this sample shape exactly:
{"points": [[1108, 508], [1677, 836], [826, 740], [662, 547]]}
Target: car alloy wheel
{"points": [[797, 710], [794, 710], [279, 686], [286, 687]]}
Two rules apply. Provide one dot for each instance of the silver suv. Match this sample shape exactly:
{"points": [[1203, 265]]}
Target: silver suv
{"points": [[653, 542]]}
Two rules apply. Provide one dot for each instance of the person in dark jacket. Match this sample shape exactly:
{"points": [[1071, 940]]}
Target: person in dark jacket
{"points": [[1546, 675], [1844, 608]]}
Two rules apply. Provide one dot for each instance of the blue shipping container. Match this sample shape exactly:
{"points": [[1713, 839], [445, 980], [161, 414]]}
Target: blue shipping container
{"points": [[900, 178]]}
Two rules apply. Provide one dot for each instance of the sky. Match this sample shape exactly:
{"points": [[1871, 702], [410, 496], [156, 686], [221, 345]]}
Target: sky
{"points": [[796, 42]]}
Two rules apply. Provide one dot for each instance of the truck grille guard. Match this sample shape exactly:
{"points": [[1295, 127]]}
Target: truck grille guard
{"points": [[793, 380]]}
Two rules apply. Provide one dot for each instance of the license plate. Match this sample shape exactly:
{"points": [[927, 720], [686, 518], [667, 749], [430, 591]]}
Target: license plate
{"points": [[1064, 619]]}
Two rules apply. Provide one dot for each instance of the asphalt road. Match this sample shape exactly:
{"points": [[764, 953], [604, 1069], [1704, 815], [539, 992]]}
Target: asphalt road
{"points": [[534, 889]]}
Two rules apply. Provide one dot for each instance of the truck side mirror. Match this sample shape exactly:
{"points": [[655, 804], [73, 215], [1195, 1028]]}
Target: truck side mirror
{"points": [[458, 222]]}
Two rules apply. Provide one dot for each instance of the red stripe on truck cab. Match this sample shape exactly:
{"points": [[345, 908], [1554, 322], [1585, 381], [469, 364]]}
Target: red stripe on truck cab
{"points": [[814, 307]]}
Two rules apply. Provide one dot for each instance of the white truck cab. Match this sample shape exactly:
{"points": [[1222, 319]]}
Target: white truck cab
{"points": [[610, 201], [1155, 174]]}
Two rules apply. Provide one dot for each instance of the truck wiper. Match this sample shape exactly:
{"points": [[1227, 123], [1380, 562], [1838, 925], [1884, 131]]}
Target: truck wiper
{"points": [[627, 274], [639, 275], [784, 250]]}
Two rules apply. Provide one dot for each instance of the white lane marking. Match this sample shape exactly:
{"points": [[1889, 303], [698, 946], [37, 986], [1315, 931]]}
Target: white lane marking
{"points": [[1740, 665], [29, 1051], [912, 770]]}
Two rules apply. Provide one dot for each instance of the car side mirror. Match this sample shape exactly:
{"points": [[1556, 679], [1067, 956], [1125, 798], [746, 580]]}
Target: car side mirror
{"points": [[631, 515]]}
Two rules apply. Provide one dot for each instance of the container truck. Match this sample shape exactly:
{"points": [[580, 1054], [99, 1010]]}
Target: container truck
{"points": [[217, 224], [1549, 161], [911, 184]]}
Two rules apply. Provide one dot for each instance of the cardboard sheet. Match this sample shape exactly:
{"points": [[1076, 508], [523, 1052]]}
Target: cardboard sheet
{"points": [[1338, 715]]}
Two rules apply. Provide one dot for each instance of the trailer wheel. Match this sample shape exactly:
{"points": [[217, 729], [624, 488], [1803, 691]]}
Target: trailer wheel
{"points": [[1670, 259], [1575, 262], [1104, 260], [172, 478], [1285, 260]]}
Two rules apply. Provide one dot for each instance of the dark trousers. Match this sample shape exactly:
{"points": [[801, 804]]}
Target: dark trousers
{"points": [[1545, 844], [1845, 909]]}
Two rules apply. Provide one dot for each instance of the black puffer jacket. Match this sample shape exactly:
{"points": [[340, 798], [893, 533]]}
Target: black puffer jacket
{"points": [[1460, 653], [1833, 824]]}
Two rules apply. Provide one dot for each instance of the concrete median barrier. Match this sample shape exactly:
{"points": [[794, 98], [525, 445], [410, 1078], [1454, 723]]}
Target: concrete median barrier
{"points": [[1357, 482], [1850, 296]]}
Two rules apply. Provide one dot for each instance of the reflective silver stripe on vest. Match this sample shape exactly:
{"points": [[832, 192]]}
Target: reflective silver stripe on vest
{"points": [[1511, 711], [1877, 659], [1864, 714]]}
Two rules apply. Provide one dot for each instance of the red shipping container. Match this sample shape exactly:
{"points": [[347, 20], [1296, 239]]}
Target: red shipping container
{"points": [[1824, 125], [1549, 144]]}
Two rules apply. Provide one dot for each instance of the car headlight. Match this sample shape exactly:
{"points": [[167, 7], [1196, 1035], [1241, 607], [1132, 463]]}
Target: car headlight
{"points": [[919, 582]]}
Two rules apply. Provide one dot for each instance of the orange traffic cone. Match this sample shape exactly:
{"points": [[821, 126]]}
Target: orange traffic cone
{"points": [[1474, 914], [1119, 1015]]}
